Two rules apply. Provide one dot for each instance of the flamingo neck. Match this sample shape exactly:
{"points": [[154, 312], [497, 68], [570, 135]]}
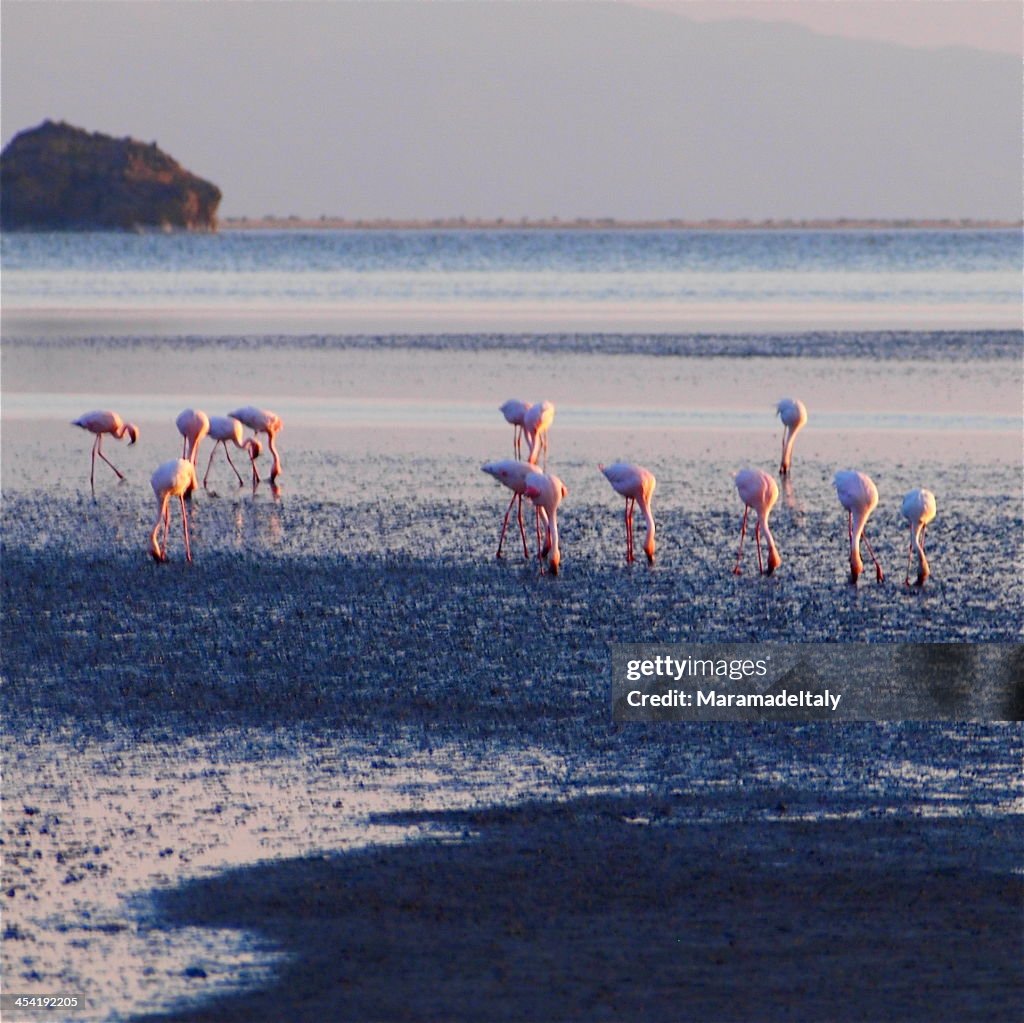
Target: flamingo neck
{"points": [[856, 532], [645, 507], [161, 509], [787, 452], [276, 470], [924, 570], [555, 557], [773, 552]]}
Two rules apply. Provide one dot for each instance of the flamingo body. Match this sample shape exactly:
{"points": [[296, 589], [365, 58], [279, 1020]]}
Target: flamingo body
{"points": [[514, 412], [793, 414], [261, 421], [918, 509], [636, 484], [100, 422], [513, 474], [758, 490], [224, 429], [172, 479], [859, 496], [536, 424], [546, 492]]}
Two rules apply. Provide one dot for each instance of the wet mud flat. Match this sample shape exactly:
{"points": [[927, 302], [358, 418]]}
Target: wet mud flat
{"points": [[347, 765]]}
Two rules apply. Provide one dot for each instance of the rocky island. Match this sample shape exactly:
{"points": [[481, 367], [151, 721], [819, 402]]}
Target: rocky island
{"points": [[61, 178]]}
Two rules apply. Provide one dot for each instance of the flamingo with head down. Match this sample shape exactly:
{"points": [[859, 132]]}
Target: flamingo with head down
{"points": [[759, 491], [514, 412], [99, 423], [175, 478], [227, 428], [546, 491], [193, 426], [536, 423], [859, 496], [918, 509], [261, 421], [793, 414], [636, 484], [513, 474]]}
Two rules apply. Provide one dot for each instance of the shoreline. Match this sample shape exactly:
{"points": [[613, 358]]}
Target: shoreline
{"points": [[276, 223]]}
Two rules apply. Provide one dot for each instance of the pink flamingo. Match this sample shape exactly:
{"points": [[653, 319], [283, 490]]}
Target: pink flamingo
{"points": [[99, 423], [175, 478], [193, 426], [918, 509], [227, 428], [859, 496], [513, 474], [536, 423], [636, 484], [261, 421], [759, 491], [793, 414], [514, 410], [546, 493]]}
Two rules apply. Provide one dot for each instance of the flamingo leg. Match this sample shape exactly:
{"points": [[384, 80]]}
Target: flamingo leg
{"points": [[92, 471], [757, 544], [879, 574], [522, 528], [910, 554], [227, 453], [743, 532], [504, 525], [99, 451], [782, 458], [517, 441], [210, 463], [184, 527], [629, 543]]}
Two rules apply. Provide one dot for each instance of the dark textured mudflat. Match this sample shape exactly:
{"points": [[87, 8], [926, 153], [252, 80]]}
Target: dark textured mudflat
{"points": [[617, 909], [895, 345], [346, 665]]}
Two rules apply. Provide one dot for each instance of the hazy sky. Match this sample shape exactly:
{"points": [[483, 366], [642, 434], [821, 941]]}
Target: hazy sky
{"points": [[643, 110]]}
